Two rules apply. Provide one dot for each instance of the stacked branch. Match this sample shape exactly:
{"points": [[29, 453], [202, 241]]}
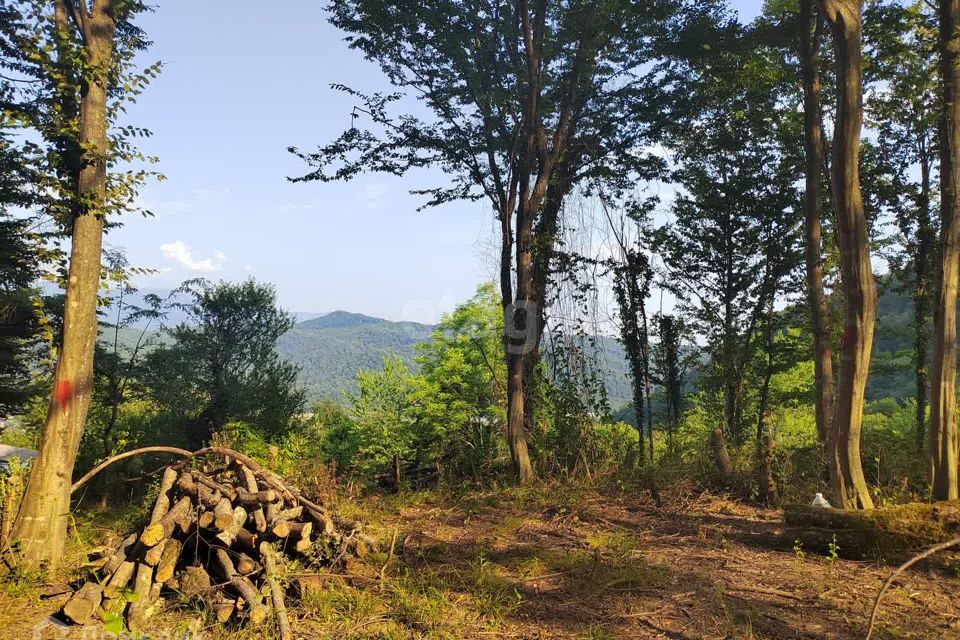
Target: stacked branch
{"points": [[216, 534]]}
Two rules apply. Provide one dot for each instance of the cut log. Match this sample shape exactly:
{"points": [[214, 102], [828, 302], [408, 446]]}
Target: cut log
{"points": [[158, 531], [119, 555], [270, 511], [195, 582], [153, 555], [246, 565], [168, 561], [295, 530], [250, 480], [303, 545], [243, 587], [286, 515], [239, 519], [222, 606], [205, 520], [223, 514], [224, 490], [276, 591], [142, 587], [162, 505], [255, 498], [324, 523], [81, 606], [202, 494], [120, 578], [888, 533]]}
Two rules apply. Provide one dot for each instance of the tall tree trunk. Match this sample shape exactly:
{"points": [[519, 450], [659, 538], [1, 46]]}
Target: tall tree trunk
{"points": [[519, 323], [921, 298], [41, 525], [813, 146], [848, 484], [943, 383]]}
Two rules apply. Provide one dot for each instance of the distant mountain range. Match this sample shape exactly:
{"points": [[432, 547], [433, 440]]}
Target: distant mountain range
{"points": [[332, 347]]}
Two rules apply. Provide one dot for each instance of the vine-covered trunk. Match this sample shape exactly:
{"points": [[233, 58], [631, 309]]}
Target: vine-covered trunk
{"points": [[849, 487], [943, 383], [813, 147], [40, 530]]}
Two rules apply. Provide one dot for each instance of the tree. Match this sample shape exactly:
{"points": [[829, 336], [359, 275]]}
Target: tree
{"points": [[18, 320], [526, 101], [848, 485], [631, 286], [902, 105], [732, 241], [222, 365], [943, 439], [463, 394], [80, 56], [671, 359], [386, 419], [811, 31]]}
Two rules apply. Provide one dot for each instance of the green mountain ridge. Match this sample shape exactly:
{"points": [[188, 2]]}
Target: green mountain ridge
{"points": [[331, 348]]}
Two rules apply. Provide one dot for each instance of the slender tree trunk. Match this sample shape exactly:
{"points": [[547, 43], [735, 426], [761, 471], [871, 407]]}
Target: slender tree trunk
{"points": [[765, 480], [41, 525], [645, 354], [638, 414], [860, 294], [921, 299], [943, 392], [813, 146]]}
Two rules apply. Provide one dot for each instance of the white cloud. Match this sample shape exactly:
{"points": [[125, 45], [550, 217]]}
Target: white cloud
{"points": [[178, 251], [372, 194]]}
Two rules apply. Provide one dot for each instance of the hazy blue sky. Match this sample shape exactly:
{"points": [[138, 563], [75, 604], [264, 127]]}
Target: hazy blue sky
{"points": [[241, 82]]}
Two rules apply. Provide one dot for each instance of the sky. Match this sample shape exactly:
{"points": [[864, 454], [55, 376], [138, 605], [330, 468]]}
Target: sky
{"points": [[241, 82]]}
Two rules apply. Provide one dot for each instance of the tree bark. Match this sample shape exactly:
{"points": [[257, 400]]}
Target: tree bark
{"points": [[943, 399], [921, 297], [766, 483], [813, 147], [516, 400], [41, 525], [847, 482]]}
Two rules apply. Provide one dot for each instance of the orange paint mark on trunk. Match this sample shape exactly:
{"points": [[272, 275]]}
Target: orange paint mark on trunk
{"points": [[63, 393]]}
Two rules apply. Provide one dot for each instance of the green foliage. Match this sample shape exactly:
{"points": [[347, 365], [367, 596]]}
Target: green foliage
{"points": [[464, 384], [387, 419], [19, 326], [733, 244], [221, 364]]}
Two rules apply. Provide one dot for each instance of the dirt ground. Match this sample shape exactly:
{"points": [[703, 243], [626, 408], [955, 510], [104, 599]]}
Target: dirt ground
{"points": [[560, 562]]}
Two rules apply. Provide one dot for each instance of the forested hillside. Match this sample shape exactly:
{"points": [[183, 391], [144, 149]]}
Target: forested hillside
{"points": [[331, 349]]}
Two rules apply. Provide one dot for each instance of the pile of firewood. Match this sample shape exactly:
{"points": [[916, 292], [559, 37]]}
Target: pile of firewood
{"points": [[217, 534]]}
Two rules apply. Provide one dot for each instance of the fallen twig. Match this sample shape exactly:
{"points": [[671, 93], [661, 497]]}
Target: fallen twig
{"points": [[906, 565]]}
